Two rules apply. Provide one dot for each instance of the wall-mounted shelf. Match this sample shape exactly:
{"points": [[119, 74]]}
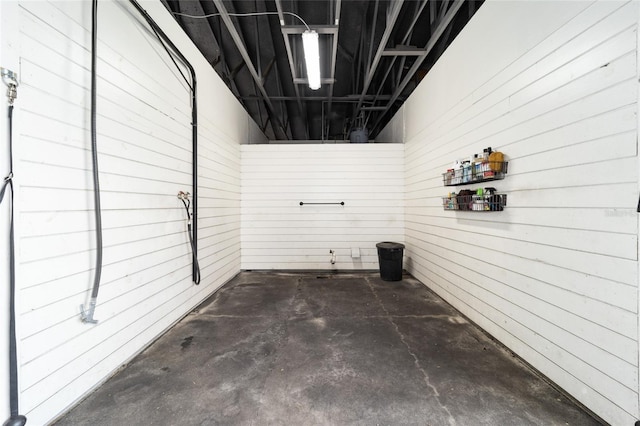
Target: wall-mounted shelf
{"points": [[484, 167], [475, 203], [476, 173]]}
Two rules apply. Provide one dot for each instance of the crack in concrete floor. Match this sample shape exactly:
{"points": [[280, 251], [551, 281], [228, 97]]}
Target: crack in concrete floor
{"points": [[451, 420]]}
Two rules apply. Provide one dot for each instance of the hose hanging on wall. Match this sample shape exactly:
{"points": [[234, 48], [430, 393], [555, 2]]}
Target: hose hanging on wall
{"points": [[184, 197], [87, 316], [16, 419], [166, 41]]}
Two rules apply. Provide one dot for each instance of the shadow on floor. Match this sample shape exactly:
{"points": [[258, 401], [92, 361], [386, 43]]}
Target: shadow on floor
{"points": [[314, 349]]}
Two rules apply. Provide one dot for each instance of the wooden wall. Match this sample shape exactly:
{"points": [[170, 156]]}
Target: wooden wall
{"points": [[555, 275], [144, 140], [278, 233]]}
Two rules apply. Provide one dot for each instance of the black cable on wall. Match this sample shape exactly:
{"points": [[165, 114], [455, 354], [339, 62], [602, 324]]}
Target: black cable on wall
{"points": [[166, 41], [186, 201], [94, 149], [15, 419], [87, 316]]}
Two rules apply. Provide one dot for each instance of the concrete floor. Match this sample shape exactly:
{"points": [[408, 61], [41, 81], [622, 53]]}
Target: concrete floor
{"points": [[325, 349]]}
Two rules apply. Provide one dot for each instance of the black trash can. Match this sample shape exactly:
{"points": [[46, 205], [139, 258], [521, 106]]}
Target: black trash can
{"points": [[390, 260]]}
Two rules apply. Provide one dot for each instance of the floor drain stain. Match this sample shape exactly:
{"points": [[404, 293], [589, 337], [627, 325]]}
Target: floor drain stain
{"points": [[186, 342]]}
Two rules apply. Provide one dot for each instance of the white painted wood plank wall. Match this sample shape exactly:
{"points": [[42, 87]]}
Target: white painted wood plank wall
{"points": [[278, 233], [555, 275], [144, 138]]}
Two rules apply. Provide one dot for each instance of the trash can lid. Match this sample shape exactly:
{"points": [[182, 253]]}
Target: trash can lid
{"points": [[387, 245]]}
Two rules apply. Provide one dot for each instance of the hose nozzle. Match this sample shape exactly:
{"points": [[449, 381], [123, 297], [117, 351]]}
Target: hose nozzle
{"points": [[87, 316], [10, 78]]}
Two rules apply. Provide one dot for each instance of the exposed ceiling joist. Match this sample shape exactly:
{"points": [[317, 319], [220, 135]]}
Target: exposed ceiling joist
{"points": [[371, 54], [391, 20], [419, 8], [287, 44], [226, 18], [442, 26], [332, 74], [350, 98], [403, 51], [305, 81]]}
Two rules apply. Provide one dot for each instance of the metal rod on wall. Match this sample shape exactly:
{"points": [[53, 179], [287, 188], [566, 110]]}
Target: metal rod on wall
{"points": [[302, 203]]}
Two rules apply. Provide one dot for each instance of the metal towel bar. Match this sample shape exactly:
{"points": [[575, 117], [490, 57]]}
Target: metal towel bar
{"points": [[302, 203]]}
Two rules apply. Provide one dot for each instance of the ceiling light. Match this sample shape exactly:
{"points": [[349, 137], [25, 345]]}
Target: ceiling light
{"points": [[312, 58]]}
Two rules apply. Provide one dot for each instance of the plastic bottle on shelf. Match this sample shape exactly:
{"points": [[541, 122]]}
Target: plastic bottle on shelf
{"points": [[457, 172], [449, 177], [496, 161], [476, 167], [475, 206], [486, 167], [466, 172], [485, 198], [485, 154]]}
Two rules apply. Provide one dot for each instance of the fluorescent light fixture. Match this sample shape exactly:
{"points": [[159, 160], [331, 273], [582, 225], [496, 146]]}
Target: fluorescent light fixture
{"points": [[312, 58]]}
